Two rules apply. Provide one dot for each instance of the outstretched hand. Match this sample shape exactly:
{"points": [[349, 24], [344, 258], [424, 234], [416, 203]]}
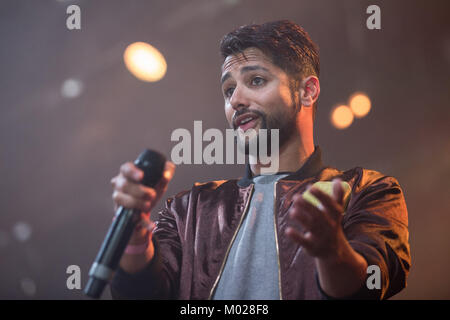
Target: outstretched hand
{"points": [[323, 235]]}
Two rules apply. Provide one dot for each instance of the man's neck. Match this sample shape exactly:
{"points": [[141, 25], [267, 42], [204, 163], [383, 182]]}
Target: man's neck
{"points": [[292, 156]]}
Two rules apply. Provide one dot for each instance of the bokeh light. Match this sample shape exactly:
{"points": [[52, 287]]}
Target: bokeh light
{"points": [[145, 62], [360, 104], [341, 117], [71, 88], [22, 231]]}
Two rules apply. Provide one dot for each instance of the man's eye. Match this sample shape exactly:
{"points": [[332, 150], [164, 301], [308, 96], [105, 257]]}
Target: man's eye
{"points": [[229, 92], [257, 81]]}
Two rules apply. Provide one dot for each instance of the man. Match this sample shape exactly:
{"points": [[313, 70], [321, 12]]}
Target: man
{"points": [[258, 237]]}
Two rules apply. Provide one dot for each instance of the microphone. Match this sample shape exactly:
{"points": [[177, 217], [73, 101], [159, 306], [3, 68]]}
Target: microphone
{"points": [[119, 233]]}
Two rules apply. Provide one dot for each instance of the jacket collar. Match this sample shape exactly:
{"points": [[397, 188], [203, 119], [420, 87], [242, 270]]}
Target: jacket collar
{"points": [[311, 167]]}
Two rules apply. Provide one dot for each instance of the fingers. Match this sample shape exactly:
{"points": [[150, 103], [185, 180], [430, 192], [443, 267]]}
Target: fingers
{"points": [[321, 223], [306, 214], [303, 239], [316, 220], [169, 171], [338, 191], [130, 193], [131, 172], [330, 205], [127, 201], [136, 190]]}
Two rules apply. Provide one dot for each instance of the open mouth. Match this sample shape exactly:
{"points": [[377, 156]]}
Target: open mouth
{"points": [[246, 121]]}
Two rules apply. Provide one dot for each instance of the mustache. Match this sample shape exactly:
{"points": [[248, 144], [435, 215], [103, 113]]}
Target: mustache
{"points": [[245, 111]]}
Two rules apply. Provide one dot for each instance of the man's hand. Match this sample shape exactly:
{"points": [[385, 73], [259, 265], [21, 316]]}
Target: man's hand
{"points": [[130, 193], [341, 270], [323, 236]]}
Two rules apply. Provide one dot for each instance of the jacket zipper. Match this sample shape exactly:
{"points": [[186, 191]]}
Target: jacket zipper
{"points": [[276, 237], [231, 243]]}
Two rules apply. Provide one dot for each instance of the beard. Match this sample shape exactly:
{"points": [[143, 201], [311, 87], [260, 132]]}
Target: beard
{"points": [[285, 122]]}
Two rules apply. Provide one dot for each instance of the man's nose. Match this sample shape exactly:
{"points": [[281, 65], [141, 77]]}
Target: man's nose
{"points": [[238, 99]]}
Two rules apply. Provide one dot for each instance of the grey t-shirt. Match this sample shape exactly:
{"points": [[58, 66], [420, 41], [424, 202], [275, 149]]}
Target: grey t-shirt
{"points": [[251, 269]]}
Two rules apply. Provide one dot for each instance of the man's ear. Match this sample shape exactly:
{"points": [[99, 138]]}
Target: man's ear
{"points": [[309, 91]]}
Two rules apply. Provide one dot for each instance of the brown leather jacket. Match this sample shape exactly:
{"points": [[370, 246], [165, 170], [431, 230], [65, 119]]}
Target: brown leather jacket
{"points": [[196, 229]]}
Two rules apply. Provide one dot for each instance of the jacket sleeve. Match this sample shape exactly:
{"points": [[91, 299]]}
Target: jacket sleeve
{"points": [[160, 279], [376, 226]]}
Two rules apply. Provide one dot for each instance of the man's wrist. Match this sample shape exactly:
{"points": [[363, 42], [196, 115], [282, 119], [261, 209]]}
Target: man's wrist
{"points": [[341, 273], [137, 248], [132, 263], [337, 254]]}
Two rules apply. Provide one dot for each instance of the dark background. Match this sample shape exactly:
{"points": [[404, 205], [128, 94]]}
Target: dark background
{"points": [[58, 154]]}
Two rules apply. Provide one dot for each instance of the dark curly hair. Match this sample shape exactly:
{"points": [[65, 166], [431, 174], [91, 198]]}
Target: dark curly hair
{"points": [[286, 43]]}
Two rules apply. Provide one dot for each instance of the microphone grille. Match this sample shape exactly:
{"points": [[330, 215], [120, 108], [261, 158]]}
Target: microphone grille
{"points": [[152, 163]]}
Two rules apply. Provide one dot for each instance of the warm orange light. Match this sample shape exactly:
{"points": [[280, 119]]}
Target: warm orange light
{"points": [[342, 117], [360, 104], [145, 62]]}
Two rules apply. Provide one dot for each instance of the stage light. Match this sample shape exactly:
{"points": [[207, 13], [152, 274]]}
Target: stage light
{"points": [[145, 62], [341, 117], [71, 88], [360, 104], [22, 231]]}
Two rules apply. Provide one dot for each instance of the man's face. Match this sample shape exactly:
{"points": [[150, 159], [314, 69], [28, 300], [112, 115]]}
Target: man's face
{"points": [[256, 88]]}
